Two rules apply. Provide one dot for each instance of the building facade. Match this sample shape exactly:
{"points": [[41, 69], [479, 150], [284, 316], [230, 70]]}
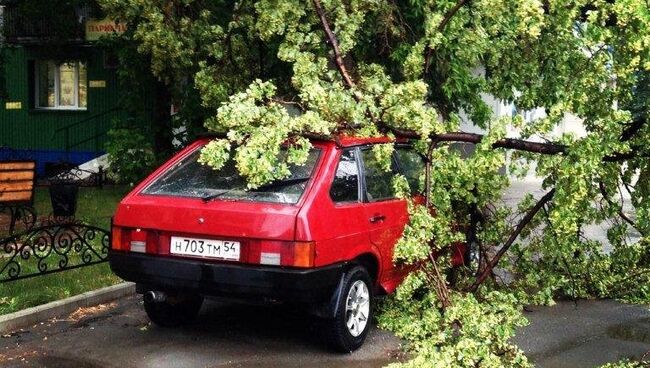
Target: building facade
{"points": [[59, 94]]}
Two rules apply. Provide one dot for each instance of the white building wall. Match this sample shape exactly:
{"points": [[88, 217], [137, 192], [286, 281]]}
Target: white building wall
{"points": [[570, 124]]}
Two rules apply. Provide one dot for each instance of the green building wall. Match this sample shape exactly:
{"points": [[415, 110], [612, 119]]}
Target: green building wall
{"points": [[41, 134]]}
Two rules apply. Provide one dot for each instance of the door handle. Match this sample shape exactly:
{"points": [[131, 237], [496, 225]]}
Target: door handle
{"points": [[377, 218]]}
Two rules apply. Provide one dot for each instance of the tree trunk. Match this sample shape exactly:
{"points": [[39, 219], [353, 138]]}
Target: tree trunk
{"points": [[162, 122]]}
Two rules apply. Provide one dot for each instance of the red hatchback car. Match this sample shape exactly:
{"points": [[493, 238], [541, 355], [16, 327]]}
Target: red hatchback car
{"points": [[323, 237]]}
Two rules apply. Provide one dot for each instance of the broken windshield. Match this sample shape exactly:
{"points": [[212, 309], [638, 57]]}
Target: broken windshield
{"points": [[189, 178]]}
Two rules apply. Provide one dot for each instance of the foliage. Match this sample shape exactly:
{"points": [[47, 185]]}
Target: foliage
{"points": [[626, 364], [130, 155], [470, 333], [274, 71]]}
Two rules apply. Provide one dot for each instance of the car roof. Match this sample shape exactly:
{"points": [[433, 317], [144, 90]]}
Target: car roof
{"points": [[341, 140], [350, 141]]}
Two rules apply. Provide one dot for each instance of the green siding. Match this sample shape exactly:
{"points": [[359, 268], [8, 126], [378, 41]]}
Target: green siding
{"points": [[29, 128]]}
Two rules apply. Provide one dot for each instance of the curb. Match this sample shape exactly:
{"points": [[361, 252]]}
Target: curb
{"points": [[30, 316]]}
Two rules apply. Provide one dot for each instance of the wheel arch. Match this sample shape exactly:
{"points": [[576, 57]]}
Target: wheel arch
{"points": [[371, 263]]}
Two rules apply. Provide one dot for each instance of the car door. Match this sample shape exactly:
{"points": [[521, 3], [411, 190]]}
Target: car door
{"points": [[386, 215], [341, 226], [411, 165]]}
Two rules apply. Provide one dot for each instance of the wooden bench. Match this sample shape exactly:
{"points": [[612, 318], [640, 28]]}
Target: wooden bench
{"points": [[17, 179]]}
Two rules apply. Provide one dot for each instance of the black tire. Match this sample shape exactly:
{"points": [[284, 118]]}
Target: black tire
{"points": [[339, 337], [175, 311]]}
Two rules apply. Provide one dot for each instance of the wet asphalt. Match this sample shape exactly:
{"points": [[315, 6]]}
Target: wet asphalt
{"points": [[119, 335], [586, 334], [224, 335]]}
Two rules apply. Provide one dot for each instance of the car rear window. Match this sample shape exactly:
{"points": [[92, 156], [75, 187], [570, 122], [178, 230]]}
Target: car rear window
{"points": [[189, 178]]}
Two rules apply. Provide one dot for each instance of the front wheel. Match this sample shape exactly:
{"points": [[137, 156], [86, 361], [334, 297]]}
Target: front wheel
{"points": [[348, 329], [174, 311]]}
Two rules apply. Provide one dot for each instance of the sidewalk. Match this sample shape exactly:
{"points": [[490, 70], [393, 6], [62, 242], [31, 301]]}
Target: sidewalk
{"points": [[229, 335], [588, 334]]}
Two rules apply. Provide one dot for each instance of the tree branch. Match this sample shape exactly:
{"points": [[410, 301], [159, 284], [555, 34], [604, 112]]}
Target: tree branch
{"points": [[618, 157], [450, 14], [511, 239], [338, 58], [427, 172], [439, 284], [619, 210], [544, 148], [632, 129], [441, 27], [511, 143]]}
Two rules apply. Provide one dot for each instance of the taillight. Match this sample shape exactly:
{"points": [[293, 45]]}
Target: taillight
{"points": [[117, 242], [291, 254], [303, 254], [134, 240], [138, 241]]}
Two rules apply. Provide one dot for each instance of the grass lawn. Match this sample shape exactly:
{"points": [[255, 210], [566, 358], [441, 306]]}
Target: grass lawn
{"points": [[95, 206]]}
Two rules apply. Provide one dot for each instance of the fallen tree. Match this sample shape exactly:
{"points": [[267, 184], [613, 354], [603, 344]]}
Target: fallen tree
{"points": [[422, 70]]}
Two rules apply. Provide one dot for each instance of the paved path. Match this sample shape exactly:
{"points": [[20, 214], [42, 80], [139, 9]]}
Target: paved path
{"points": [[231, 335], [586, 334], [224, 335]]}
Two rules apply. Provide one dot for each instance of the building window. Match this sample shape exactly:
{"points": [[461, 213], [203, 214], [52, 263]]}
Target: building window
{"points": [[61, 86]]}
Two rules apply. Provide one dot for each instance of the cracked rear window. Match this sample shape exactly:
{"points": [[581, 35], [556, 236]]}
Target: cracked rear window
{"points": [[188, 178]]}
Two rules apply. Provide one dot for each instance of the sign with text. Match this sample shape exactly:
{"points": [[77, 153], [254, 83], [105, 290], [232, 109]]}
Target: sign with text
{"points": [[96, 28], [97, 84], [13, 105]]}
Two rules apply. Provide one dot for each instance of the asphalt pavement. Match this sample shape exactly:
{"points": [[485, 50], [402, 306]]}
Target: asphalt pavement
{"points": [[224, 335], [234, 335], [586, 334]]}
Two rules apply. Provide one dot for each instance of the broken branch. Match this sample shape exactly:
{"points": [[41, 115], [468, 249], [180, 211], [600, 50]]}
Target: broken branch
{"points": [[511, 239], [338, 58], [450, 14], [513, 143]]}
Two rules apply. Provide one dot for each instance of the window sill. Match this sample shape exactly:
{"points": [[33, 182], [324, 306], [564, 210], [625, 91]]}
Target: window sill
{"points": [[42, 110]]}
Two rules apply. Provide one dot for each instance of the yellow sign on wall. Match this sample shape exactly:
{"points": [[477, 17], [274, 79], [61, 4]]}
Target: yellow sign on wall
{"points": [[14, 105], [96, 28], [97, 84]]}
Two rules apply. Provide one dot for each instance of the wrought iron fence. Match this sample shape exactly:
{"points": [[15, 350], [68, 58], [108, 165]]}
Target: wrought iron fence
{"points": [[52, 248], [23, 216]]}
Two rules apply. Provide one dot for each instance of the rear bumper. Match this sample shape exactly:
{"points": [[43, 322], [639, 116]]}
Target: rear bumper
{"points": [[218, 279]]}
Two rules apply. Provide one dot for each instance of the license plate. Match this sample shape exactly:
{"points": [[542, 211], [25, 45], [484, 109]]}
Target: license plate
{"points": [[208, 248]]}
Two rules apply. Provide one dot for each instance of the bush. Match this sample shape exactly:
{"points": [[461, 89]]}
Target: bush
{"points": [[130, 155]]}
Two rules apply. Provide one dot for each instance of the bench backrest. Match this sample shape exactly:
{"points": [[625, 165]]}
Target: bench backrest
{"points": [[17, 182]]}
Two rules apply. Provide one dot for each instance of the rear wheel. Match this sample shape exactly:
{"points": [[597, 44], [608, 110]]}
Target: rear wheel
{"points": [[348, 329], [174, 311]]}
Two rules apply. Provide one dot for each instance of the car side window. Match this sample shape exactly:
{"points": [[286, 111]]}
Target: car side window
{"points": [[345, 187], [379, 183], [411, 166]]}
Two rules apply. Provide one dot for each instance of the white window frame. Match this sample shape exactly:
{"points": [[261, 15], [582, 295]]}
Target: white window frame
{"points": [[57, 87]]}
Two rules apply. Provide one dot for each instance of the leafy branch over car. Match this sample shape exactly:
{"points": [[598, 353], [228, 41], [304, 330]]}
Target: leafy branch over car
{"points": [[439, 72]]}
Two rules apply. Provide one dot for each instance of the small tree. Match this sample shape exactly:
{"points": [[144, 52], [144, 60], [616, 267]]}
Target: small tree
{"points": [[413, 69]]}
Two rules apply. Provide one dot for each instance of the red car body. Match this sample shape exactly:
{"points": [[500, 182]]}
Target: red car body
{"points": [[316, 238]]}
